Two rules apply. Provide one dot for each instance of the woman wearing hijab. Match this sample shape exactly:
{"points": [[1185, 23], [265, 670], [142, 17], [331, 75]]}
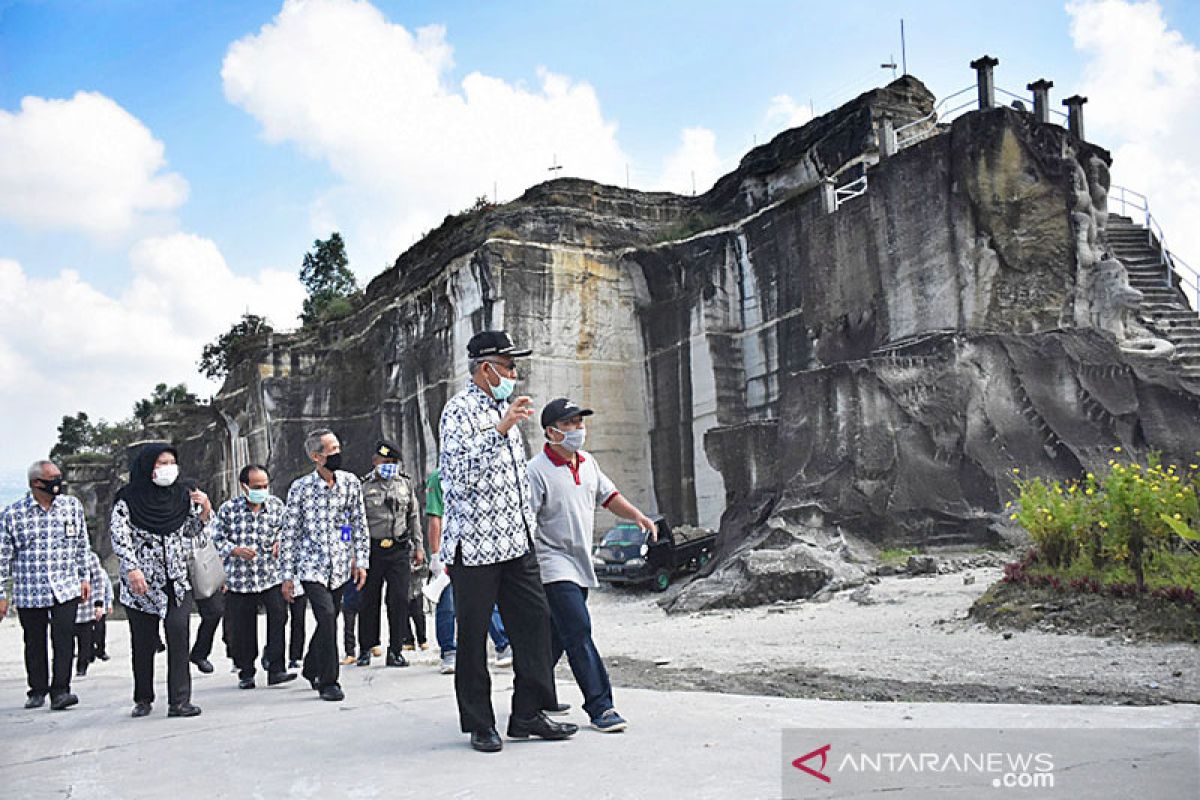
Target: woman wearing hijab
{"points": [[150, 518]]}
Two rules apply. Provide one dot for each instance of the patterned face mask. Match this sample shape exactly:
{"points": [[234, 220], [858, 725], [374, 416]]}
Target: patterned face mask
{"points": [[388, 470]]}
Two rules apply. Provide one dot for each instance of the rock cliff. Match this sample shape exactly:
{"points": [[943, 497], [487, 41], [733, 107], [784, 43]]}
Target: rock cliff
{"points": [[829, 350]]}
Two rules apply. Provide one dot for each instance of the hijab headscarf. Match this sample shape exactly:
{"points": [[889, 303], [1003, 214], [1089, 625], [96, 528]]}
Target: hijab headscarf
{"points": [[157, 509]]}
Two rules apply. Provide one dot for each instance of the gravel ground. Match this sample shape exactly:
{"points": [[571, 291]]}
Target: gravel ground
{"points": [[905, 638]]}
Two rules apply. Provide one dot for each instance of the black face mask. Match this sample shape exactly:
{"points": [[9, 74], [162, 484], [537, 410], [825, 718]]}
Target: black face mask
{"points": [[333, 462], [51, 487]]}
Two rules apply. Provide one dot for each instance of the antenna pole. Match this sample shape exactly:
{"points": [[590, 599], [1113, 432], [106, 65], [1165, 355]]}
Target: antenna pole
{"points": [[903, 51]]}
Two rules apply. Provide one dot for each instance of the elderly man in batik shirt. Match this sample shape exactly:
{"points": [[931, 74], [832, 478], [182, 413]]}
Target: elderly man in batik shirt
{"points": [[487, 545], [325, 545], [43, 548]]}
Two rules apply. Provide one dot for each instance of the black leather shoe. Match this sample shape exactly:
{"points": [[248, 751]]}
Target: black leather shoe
{"points": [[185, 710], [396, 660], [540, 726], [559, 710], [247, 683], [80, 672], [64, 700], [486, 741], [276, 678], [293, 664], [35, 701], [333, 693], [204, 665], [103, 656], [364, 659], [141, 710]]}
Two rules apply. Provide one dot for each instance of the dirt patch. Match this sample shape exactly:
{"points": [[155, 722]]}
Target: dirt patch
{"points": [[821, 685], [1013, 606]]}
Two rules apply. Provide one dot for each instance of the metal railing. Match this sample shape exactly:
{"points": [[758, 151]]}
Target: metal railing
{"points": [[909, 133], [853, 189], [1174, 267]]}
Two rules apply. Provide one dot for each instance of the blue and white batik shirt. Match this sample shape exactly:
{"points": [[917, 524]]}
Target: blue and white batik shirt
{"points": [[488, 518], [325, 530], [44, 551], [236, 525]]}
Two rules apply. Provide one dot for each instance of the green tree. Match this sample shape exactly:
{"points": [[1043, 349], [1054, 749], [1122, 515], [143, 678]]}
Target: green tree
{"points": [[164, 396], [218, 357], [332, 288], [74, 434]]}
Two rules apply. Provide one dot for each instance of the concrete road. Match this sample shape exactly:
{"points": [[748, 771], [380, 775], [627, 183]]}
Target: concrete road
{"points": [[396, 735]]}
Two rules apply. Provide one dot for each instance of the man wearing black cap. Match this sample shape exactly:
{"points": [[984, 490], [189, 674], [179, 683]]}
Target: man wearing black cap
{"points": [[394, 520], [487, 542], [566, 486]]}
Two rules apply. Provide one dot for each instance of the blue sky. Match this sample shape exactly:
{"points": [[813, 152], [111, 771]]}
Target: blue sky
{"points": [[285, 147]]}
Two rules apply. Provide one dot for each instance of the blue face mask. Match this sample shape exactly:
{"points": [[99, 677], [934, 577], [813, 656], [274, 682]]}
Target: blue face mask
{"points": [[387, 470], [505, 389], [258, 496], [572, 440]]}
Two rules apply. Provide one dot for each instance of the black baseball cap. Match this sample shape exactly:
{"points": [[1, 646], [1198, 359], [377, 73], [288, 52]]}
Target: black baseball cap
{"points": [[386, 449], [493, 343], [560, 408]]}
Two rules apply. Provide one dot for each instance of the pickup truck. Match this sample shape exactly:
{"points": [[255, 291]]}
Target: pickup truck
{"points": [[626, 556]]}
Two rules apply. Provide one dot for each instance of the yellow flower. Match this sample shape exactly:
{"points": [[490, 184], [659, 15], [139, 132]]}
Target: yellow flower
{"points": [[1116, 449], [1090, 491], [1137, 510], [1179, 495], [1016, 471], [1193, 466], [1058, 490], [1014, 516], [1091, 477], [1179, 516], [1103, 524], [1008, 504], [1072, 489]]}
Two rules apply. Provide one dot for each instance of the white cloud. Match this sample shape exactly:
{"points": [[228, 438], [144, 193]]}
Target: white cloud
{"points": [[82, 164], [1142, 81], [65, 346], [693, 163], [783, 112], [370, 98]]}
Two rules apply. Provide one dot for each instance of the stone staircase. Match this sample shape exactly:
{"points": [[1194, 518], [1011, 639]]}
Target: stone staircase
{"points": [[1164, 309]]}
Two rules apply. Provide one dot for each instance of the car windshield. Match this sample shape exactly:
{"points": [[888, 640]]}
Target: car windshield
{"points": [[624, 535]]}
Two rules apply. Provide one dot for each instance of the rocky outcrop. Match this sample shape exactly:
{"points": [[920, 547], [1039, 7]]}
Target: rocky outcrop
{"points": [[815, 373]]}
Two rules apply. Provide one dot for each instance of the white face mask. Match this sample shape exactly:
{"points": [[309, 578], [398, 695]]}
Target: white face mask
{"points": [[166, 474]]}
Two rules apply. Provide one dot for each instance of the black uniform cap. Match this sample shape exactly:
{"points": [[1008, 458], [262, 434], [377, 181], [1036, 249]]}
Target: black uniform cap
{"points": [[493, 343]]}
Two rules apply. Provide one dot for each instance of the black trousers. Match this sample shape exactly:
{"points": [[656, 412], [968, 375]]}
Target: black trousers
{"points": [[416, 613], [348, 618], [85, 633], [516, 586], [321, 660], [60, 620], [100, 637], [144, 639], [296, 612], [212, 611], [241, 623], [388, 565]]}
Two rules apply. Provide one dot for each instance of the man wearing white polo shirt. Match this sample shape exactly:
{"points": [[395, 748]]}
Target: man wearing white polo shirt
{"points": [[566, 486]]}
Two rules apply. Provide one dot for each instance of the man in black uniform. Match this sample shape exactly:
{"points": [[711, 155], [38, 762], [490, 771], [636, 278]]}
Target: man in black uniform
{"points": [[395, 523]]}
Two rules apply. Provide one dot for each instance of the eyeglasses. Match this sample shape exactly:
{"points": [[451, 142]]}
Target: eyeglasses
{"points": [[510, 368]]}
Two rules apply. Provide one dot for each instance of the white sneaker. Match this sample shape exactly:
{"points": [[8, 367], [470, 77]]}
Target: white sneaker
{"points": [[448, 663], [504, 656]]}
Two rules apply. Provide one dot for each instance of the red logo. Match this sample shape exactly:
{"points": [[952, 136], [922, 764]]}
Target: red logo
{"points": [[823, 752]]}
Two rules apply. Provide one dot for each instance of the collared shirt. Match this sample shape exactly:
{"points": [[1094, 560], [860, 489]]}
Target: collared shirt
{"points": [[102, 593], [564, 496], [44, 551], [392, 510], [161, 558], [488, 519], [325, 530], [237, 525]]}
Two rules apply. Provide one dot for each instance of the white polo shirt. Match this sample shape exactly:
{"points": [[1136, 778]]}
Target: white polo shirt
{"points": [[564, 499]]}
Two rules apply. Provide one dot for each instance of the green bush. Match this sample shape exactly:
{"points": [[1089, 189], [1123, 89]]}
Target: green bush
{"points": [[1134, 522]]}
